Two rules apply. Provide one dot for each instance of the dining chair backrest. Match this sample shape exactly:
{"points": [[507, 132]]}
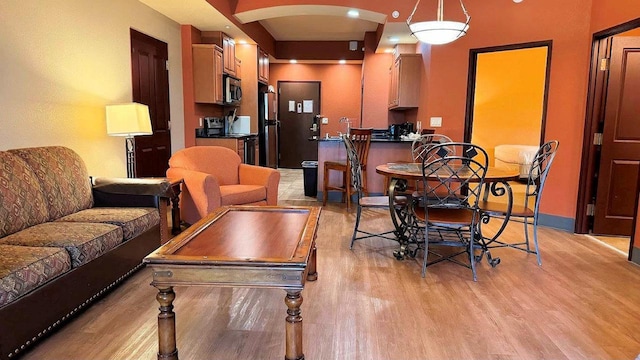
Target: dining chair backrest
{"points": [[420, 146], [538, 172], [453, 174], [361, 139], [354, 164]]}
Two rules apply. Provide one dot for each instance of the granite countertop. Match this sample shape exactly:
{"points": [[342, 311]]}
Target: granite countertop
{"points": [[226, 136], [373, 140]]}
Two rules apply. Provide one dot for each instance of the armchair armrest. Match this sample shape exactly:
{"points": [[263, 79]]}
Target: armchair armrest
{"points": [[128, 192], [200, 193], [259, 175]]}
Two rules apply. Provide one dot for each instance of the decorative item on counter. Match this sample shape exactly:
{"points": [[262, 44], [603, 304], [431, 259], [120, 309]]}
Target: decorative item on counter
{"points": [[345, 119], [231, 118]]}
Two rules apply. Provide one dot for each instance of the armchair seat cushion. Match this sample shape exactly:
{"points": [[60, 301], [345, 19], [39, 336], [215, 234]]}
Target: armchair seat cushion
{"points": [[133, 221], [24, 268], [242, 194], [83, 241]]}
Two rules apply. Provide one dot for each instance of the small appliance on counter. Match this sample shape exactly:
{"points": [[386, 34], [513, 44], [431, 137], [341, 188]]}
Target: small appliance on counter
{"points": [[214, 126], [397, 130], [241, 125]]}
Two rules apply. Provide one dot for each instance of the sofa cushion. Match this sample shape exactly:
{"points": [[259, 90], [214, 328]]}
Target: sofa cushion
{"points": [[22, 202], [63, 177], [83, 241], [24, 268], [133, 221], [242, 194]]}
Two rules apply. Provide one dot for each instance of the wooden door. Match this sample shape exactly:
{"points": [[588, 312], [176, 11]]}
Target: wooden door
{"points": [[150, 78], [620, 159], [296, 126]]}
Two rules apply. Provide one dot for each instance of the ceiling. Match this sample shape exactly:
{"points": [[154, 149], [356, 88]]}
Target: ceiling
{"points": [[288, 23]]}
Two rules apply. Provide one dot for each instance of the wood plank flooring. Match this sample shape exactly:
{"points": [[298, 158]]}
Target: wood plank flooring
{"points": [[582, 303]]}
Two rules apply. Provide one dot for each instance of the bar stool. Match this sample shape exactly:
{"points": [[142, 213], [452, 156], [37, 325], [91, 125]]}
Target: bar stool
{"points": [[361, 139]]}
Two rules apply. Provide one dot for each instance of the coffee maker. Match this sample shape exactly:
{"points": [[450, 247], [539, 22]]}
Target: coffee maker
{"points": [[214, 126]]}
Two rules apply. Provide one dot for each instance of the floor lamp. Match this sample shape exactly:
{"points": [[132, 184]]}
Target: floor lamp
{"points": [[129, 120]]}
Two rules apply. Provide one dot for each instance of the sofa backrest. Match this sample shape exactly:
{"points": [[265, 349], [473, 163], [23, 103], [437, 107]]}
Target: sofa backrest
{"points": [[63, 178], [218, 161], [22, 202]]}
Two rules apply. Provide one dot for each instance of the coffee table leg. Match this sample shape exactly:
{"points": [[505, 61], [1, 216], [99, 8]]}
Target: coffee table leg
{"points": [[294, 326], [312, 275], [166, 324]]}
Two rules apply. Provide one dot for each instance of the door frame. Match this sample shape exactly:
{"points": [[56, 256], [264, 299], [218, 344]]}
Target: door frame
{"points": [[594, 123], [471, 82]]}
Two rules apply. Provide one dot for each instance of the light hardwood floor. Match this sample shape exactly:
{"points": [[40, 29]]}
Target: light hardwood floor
{"points": [[583, 303]]}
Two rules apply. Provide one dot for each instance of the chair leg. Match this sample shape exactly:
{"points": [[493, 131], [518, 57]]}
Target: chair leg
{"points": [[535, 239], [325, 186], [472, 255], [355, 229], [526, 232], [426, 252], [347, 188]]}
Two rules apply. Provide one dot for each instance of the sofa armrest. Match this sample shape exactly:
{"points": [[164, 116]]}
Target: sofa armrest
{"points": [[200, 193], [259, 175], [129, 192]]}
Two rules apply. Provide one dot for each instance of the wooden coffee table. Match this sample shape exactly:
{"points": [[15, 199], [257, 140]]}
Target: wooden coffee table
{"points": [[239, 246]]}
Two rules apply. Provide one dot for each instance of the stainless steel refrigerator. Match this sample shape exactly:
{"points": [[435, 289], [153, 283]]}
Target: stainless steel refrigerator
{"points": [[267, 127]]}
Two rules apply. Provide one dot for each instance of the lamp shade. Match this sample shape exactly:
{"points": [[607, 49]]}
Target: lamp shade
{"points": [[128, 120], [438, 32]]}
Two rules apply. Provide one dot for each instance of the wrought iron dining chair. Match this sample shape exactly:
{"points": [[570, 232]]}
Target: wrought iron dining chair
{"points": [[365, 202], [447, 208], [362, 141], [529, 210], [420, 146]]}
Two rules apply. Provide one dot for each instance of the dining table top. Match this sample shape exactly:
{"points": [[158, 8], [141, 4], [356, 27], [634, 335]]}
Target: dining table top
{"points": [[413, 171]]}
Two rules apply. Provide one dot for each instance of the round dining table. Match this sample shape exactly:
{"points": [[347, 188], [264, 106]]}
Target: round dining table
{"points": [[496, 182]]}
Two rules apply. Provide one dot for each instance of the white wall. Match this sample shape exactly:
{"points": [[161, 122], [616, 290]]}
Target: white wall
{"points": [[62, 61]]}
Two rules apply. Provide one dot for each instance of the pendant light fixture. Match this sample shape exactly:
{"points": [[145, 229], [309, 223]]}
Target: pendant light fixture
{"points": [[439, 31]]}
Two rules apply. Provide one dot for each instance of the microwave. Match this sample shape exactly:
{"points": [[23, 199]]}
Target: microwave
{"points": [[232, 90]]}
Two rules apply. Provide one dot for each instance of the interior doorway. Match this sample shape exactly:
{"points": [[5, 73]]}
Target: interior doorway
{"points": [[298, 105], [507, 101], [150, 82], [611, 144]]}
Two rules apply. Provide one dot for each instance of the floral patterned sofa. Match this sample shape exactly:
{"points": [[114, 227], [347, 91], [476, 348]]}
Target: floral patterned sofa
{"points": [[62, 244]]}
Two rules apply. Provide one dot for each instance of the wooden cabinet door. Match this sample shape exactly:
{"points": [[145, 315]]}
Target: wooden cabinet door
{"points": [[207, 73], [263, 66], [229, 50], [405, 82]]}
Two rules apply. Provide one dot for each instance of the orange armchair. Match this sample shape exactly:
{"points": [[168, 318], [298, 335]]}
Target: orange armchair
{"points": [[215, 176]]}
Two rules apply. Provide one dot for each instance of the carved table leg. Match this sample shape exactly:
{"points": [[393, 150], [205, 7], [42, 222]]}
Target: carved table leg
{"points": [[166, 324], [294, 326], [312, 275], [175, 210]]}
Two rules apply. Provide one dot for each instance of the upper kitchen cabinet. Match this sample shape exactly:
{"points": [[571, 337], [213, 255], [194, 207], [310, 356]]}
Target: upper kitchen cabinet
{"points": [[207, 73], [404, 92], [263, 66], [228, 49]]}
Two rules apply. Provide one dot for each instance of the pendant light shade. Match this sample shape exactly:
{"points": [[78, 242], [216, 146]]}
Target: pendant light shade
{"points": [[439, 31]]}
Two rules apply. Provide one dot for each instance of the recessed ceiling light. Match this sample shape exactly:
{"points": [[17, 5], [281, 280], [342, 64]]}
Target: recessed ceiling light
{"points": [[293, 61], [343, 61], [242, 42], [227, 27], [353, 13], [394, 39], [517, 1], [388, 50]]}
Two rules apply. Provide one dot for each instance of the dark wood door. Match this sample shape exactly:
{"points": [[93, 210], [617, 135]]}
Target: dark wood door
{"points": [[150, 76], [296, 122], [619, 163]]}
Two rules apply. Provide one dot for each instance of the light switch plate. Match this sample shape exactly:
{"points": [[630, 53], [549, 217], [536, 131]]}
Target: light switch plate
{"points": [[435, 122], [325, 121]]}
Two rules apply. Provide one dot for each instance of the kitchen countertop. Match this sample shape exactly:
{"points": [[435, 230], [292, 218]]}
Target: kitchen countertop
{"points": [[226, 136], [373, 140]]}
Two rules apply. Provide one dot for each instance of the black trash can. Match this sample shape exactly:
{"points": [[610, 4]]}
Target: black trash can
{"points": [[310, 170]]}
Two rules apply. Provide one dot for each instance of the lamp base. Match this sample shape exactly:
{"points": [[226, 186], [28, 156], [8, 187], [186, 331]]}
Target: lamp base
{"points": [[130, 144]]}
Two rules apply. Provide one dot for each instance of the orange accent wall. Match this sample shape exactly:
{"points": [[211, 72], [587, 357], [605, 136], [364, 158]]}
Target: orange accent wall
{"points": [[564, 22], [509, 95], [339, 86]]}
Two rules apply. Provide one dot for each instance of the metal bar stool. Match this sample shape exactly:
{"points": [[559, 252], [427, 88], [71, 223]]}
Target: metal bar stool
{"points": [[361, 139]]}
